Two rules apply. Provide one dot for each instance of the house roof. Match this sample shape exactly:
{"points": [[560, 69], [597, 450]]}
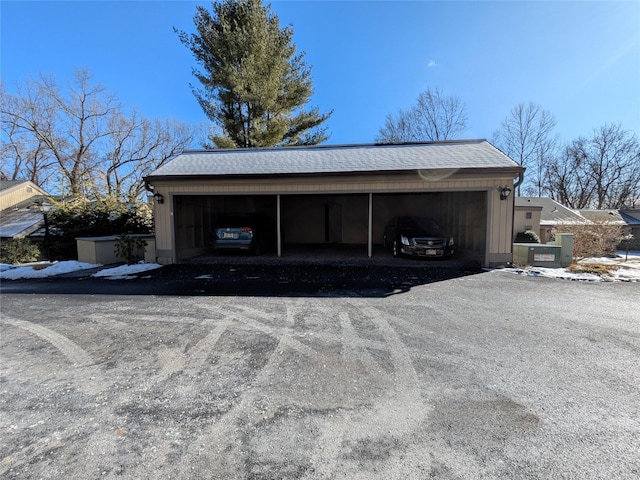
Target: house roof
{"points": [[467, 154], [552, 212], [22, 219], [10, 184], [7, 184], [17, 223], [632, 217], [609, 215]]}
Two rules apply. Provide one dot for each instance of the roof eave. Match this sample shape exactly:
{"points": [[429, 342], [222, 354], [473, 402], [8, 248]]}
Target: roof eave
{"points": [[503, 171]]}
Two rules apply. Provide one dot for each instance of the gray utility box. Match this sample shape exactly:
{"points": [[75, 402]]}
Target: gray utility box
{"points": [[556, 254], [565, 240], [537, 254]]}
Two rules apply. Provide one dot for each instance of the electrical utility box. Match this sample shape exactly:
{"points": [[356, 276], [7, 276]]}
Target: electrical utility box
{"points": [[554, 255]]}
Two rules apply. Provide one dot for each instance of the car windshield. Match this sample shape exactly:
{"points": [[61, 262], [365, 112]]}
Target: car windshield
{"points": [[421, 223]]}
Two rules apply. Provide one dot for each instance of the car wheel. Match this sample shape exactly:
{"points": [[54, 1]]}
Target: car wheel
{"points": [[396, 249]]}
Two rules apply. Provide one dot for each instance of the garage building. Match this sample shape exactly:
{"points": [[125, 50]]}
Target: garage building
{"points": [[338, 194]]}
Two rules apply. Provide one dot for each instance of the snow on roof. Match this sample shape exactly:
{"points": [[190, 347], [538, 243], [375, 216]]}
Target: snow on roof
{"points": [[609, 215], [19, 222]]}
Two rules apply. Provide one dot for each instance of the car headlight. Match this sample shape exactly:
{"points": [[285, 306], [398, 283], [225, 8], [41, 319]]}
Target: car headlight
{"points": [[404, 240], [450, 243]]}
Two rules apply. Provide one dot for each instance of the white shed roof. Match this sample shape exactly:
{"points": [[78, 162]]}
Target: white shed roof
{"points": [[467, 154]]}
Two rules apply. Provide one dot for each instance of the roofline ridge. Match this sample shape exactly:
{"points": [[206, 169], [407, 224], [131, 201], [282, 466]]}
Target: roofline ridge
{"points": [[334, 146]]}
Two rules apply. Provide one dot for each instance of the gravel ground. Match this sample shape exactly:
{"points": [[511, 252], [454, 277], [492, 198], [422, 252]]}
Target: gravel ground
{"points": [[481, 376]]}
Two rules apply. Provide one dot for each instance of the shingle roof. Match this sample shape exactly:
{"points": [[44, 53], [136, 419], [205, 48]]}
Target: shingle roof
{"points": [[337, 159], [552, 211], [7, 184], [632, 217], [609, 215]]}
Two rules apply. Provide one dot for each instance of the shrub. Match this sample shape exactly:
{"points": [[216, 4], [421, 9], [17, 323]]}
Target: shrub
{"points": [[19, 250], [94, 219], [629, 242], [528, 236], [130, 248], [597, 238]]}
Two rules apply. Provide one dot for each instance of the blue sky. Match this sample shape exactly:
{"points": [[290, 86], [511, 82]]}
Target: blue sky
{"points": [[579, 60]]}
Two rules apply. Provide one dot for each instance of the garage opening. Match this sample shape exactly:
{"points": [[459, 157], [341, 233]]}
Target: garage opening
{"points": [[326, 221], [195, 216], [463, 214]]}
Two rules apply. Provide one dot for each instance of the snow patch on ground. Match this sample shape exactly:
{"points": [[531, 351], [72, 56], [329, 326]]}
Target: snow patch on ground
{"points": [[45, 269], [42, 269], [625, 268], [125, 272]]}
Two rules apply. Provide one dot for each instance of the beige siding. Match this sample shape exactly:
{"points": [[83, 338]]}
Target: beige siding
{"points": [[467, 214], [19, 193], [522, 223]]}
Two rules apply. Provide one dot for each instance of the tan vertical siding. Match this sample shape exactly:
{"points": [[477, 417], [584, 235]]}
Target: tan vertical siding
{"points": [[480, 224]]}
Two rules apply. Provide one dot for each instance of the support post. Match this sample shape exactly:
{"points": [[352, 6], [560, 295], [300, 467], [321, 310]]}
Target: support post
{"points": [[370, 233], [278, 232]]}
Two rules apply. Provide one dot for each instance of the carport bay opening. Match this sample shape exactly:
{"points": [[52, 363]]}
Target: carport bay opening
{"points": [[331, 220], [338, 195]]}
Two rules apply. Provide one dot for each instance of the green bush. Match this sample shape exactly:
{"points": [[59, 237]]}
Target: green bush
{"points": [[19, 250], [94, 219], [130, 248], [528, 236]]}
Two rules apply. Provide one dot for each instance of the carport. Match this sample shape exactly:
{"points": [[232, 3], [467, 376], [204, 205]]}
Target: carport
{"points": [[338, 195]]}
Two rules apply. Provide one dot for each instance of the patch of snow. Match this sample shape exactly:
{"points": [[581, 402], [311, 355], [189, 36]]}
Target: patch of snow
{"points": [[628, 270], [125, 272], [43, 270], [46, 269]]}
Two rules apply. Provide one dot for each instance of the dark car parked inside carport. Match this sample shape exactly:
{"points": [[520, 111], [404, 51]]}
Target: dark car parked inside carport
{"points": [[419, 237], [251, 232]]}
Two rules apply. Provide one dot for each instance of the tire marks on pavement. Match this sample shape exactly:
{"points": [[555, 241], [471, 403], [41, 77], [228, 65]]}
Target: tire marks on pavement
{"points": [[76, 355]]}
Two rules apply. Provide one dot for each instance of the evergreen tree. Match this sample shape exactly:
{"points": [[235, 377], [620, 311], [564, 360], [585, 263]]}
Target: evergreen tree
{"points": [[254, 83]]}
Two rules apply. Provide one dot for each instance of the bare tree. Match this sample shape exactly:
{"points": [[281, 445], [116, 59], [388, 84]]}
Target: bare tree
{"points": [[137, 147], [613, 165], [434, 117], [20, 156], [564, 181], [526, 135], [80, 136], [67, 123], [602, 171]]}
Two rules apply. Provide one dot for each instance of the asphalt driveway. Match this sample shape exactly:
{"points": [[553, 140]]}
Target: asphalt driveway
{"points": [[489, 375]]}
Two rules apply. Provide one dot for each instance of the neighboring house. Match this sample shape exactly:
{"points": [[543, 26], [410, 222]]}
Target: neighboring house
{"points": [[19, 212], [541, 215], [338, 194], [632, 218], [611, 216]]}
